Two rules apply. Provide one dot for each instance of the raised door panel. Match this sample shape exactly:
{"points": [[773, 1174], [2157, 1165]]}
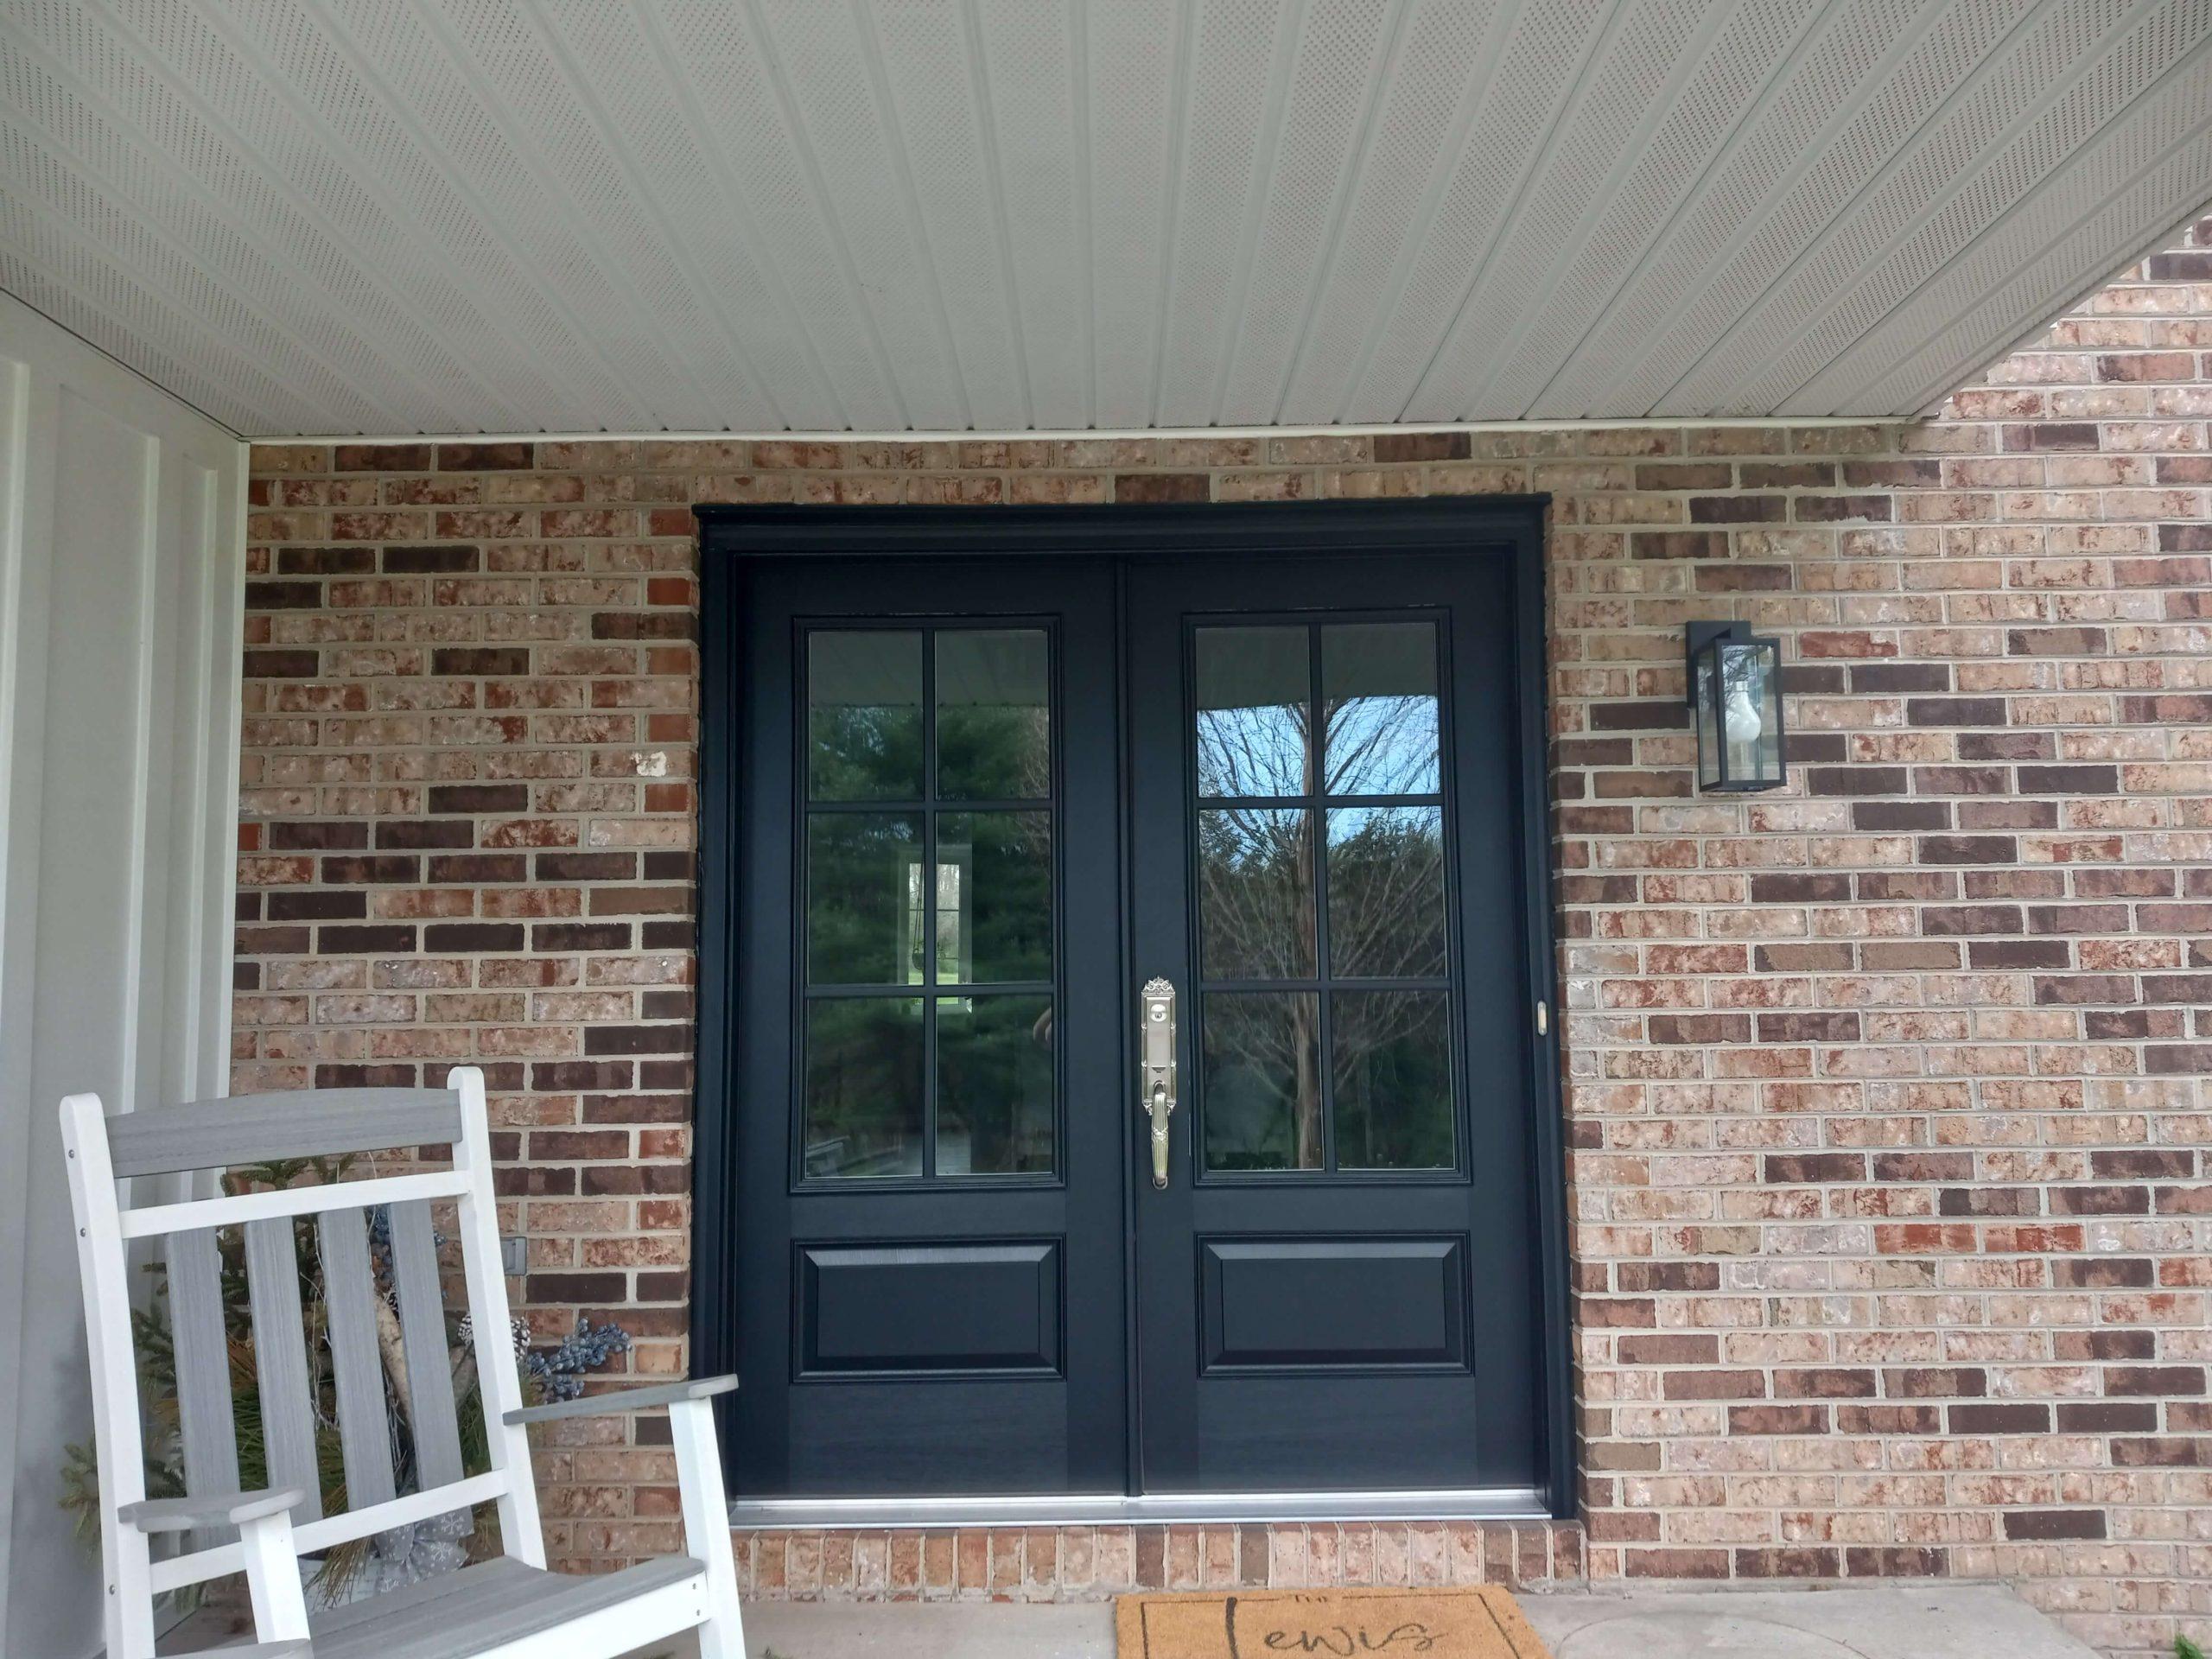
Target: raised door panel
{"points": [[930, 1309], [1292, 1304]]}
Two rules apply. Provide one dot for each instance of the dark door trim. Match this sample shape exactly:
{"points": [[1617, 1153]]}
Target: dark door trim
{"points": [[728, 530], [1510, 527]]}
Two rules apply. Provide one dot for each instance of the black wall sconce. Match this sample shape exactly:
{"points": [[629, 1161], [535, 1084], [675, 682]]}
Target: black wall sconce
{"points": [[1735, 698]]}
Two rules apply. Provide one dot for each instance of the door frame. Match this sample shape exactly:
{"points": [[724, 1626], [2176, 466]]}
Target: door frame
{"points": [[1510, 527]]}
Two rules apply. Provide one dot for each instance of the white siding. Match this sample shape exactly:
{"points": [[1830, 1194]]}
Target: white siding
{"points": [[121, 537]]}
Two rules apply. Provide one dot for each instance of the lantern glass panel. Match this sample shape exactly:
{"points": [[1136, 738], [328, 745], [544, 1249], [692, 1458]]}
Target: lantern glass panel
{"points": [[1770, 731], [1750, 726], [1706, 711]]}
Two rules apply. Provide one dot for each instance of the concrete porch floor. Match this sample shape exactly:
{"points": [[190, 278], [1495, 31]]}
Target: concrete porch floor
{"points": [[1931, 1622], [1957, 1621]]}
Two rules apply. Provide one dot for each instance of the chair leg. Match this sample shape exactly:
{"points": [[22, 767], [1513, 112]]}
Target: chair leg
{"points": [[706, 1524], [272, 1576]]}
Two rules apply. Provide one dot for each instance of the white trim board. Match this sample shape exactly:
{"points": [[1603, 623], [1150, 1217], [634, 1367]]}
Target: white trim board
{"points": [[122, 549], [1078, 435]]}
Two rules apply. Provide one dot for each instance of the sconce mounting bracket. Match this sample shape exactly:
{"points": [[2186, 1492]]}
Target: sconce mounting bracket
{"points": [[1696, 636]]}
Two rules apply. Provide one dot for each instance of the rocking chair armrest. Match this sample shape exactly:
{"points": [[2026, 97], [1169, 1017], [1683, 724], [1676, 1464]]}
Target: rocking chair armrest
{"points": [[209, 1509], [622, 1400]]}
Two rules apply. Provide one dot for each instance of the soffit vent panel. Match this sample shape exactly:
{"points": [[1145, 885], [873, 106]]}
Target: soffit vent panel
{"points": [[390, 217]]}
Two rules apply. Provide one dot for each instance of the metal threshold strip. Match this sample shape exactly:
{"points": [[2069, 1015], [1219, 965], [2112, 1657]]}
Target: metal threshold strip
{"points": [[1473, 1503]]}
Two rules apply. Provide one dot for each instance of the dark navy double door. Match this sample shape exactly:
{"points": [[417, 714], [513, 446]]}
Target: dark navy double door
{"points": [[981, 803]]}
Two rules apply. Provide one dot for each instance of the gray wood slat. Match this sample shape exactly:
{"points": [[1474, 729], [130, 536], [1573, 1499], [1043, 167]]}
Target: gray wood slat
{"points": [[422, 1332], [615, 1400], [301, 1123], [202, 1352], [466, 1612], [280, 1354], [349, 1294]]}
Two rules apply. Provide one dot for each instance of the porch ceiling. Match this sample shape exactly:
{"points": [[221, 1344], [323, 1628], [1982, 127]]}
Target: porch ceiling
{"points": [[402, 216]]}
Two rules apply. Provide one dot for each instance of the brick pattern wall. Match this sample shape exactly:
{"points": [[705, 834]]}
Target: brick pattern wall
{"points": [[1890, 1196], [1095, 1563]]}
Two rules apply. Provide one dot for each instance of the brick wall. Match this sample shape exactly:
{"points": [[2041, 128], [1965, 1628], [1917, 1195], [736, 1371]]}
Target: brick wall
{"points": [[1887, 1091]]}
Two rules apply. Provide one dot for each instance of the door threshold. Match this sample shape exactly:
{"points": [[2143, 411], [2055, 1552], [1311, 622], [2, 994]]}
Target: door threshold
{"points": [[1472, 1504]]}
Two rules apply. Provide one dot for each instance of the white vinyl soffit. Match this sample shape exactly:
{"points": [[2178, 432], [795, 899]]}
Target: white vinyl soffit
{"points": [[399, 216]]}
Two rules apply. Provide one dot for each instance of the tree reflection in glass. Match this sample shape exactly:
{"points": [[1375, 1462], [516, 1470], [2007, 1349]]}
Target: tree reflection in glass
{"points": [[994, 715], [1370, 1086], [953, 888], [994, 896], [1378, 695], [1393, 1079], [864, 716], [994, 1085], [1252, 689], [1261, 1055], [864, 1087], [1256, 892], [1385, 892], [858, 872]]}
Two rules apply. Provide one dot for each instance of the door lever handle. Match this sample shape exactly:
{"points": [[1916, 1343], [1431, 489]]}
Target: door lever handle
{"points": [[1156, 1069]]}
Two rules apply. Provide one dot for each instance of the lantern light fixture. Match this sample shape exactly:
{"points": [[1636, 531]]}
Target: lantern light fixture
{"points": [[1735, 697]]}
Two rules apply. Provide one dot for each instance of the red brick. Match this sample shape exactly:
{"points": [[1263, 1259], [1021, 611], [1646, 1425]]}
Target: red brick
{"points": [[1160, 486], [2043, 1524], [1392, 448]]}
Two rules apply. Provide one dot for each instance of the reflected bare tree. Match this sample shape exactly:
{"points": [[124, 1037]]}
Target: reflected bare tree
{"points": [[1381, 745], [1257, 907], [1385, 892]]}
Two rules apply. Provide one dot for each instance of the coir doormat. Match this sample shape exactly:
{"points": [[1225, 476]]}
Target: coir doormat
{"points": [[1472, 1623]]}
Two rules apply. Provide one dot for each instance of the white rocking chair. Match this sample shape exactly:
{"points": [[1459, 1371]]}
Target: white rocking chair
{"points": [[508, 1608]]}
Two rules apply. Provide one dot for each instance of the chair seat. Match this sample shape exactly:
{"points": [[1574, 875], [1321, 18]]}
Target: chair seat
{"points": [[479, 1608]]}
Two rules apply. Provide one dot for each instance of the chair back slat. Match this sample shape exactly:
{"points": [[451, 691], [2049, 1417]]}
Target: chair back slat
{"points": [[280, 1351], [349, 1298], [423, 1335], [201, 1346], [304, 1124]]}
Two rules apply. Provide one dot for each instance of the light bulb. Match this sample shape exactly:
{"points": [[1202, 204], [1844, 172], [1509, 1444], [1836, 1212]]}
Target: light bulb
{"points": [[1741, 716]]}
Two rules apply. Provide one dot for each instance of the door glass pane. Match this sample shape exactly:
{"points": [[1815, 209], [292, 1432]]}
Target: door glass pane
{"points": [[993, 896], [1385, 892], [994, 1075], [1261, 1052], [863, 1086], [936, 891], [862, 894], [1256, 892], [1252, 690], [1378, 686], [1393, 1078], [864, 716], [993, 723], [1277, 1091]]}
